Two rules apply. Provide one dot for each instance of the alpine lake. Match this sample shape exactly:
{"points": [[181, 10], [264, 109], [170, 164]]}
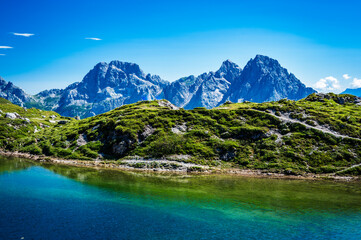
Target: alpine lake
{"points": [[43, 201]]}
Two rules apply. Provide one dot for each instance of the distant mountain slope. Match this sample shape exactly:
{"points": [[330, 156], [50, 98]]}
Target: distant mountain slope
{"points": [[46, 100], [13, 93], [264, 79], [108, 86], [356, 91], [206, 90]]}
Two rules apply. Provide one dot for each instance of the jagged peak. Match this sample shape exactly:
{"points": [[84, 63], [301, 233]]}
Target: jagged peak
{"points": [[126, 67], [264, 60], [2, 81], [44, 93], [228, 65]]}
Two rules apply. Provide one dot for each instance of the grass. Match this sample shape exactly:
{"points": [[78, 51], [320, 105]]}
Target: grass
{"points": [[242, 135]]}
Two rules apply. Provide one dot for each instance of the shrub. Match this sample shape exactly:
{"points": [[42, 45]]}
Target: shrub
{"points": [[33, 149]]}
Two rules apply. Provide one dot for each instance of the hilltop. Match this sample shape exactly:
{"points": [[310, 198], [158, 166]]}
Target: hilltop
{"points": [[318, 134]]}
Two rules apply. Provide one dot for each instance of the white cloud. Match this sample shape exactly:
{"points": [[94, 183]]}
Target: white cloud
{"points": [[356, 83], [1, 54], [5, 47], [95, 39], [346, 76], [24, 34], [327, 84]]}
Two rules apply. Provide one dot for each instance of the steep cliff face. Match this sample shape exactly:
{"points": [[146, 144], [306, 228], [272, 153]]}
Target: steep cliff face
{"points": [[207, 90], [47, 100], [215, 86], [108, 86], [264, 79]]}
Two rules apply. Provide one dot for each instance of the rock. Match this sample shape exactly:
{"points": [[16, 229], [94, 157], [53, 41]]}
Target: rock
{"points": [[179, 129], [43, 116], [226, 156], [148, 130], [108, 86], [49, 99], [121, 147], [13, 115], [13, 93], [165, 103], [27, 120], [95, 127], [340, 99], [82, 140], [207, 90], [111, 85], [264, 79]]}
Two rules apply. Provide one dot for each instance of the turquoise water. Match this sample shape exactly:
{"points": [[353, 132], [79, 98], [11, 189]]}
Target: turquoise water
{"points": [[62, 202]]}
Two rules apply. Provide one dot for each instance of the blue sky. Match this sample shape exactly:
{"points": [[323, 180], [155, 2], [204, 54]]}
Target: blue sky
{"points": [[317, 41]]}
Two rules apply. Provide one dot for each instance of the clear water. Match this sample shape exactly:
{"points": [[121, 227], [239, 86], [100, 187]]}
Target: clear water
{"points": [[62, 202]]}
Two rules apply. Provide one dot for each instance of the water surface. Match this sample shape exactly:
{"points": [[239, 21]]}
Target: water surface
{"points": [[40, 201]]}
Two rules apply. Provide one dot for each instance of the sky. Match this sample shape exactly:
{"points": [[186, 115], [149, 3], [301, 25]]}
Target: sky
{"points": [[50, 44]]}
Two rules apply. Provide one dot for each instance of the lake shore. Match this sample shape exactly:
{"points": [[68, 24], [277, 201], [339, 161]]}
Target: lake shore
{"points": [[174, 167]]}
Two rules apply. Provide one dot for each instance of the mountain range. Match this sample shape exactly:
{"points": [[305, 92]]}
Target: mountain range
{"points": [[111, 85], [353, 91]]}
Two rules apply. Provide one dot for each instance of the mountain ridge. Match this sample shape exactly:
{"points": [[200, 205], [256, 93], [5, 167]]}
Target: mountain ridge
{"points": [[353, 91], [113, 84]]}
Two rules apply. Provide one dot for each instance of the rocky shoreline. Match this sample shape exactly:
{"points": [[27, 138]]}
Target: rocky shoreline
{"points": [[171, 166]]}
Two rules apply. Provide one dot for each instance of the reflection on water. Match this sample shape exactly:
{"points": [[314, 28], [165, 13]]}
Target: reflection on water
{"points": [[104, 204], [11, 164]]}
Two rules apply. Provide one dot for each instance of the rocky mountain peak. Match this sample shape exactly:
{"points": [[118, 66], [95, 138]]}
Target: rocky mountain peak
{"points": [[229, 71], [265, 60], [264, 79], [127, 67], [264, 64], [110, 85], [50, 92], [13, 93], [107, 86], [2, 81], [228, 66]]}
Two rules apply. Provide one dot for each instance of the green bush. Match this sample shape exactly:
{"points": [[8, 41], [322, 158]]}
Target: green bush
{"points": [[33, 149]]}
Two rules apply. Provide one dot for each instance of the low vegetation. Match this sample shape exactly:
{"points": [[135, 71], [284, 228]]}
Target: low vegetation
{"points": [[242, 135]]}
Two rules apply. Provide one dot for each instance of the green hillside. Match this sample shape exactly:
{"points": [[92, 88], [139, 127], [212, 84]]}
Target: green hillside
{"points": [[319, 134]]}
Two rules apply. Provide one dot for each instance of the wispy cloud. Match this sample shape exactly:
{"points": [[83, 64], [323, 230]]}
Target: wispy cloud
{"points": [[346, 76], [24, 34], [1, 54], [95, 39], [327, 84], [356, 83], [5, 47]]}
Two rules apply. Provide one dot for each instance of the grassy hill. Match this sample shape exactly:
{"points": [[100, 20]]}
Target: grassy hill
{"points": [[319, 134]]}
